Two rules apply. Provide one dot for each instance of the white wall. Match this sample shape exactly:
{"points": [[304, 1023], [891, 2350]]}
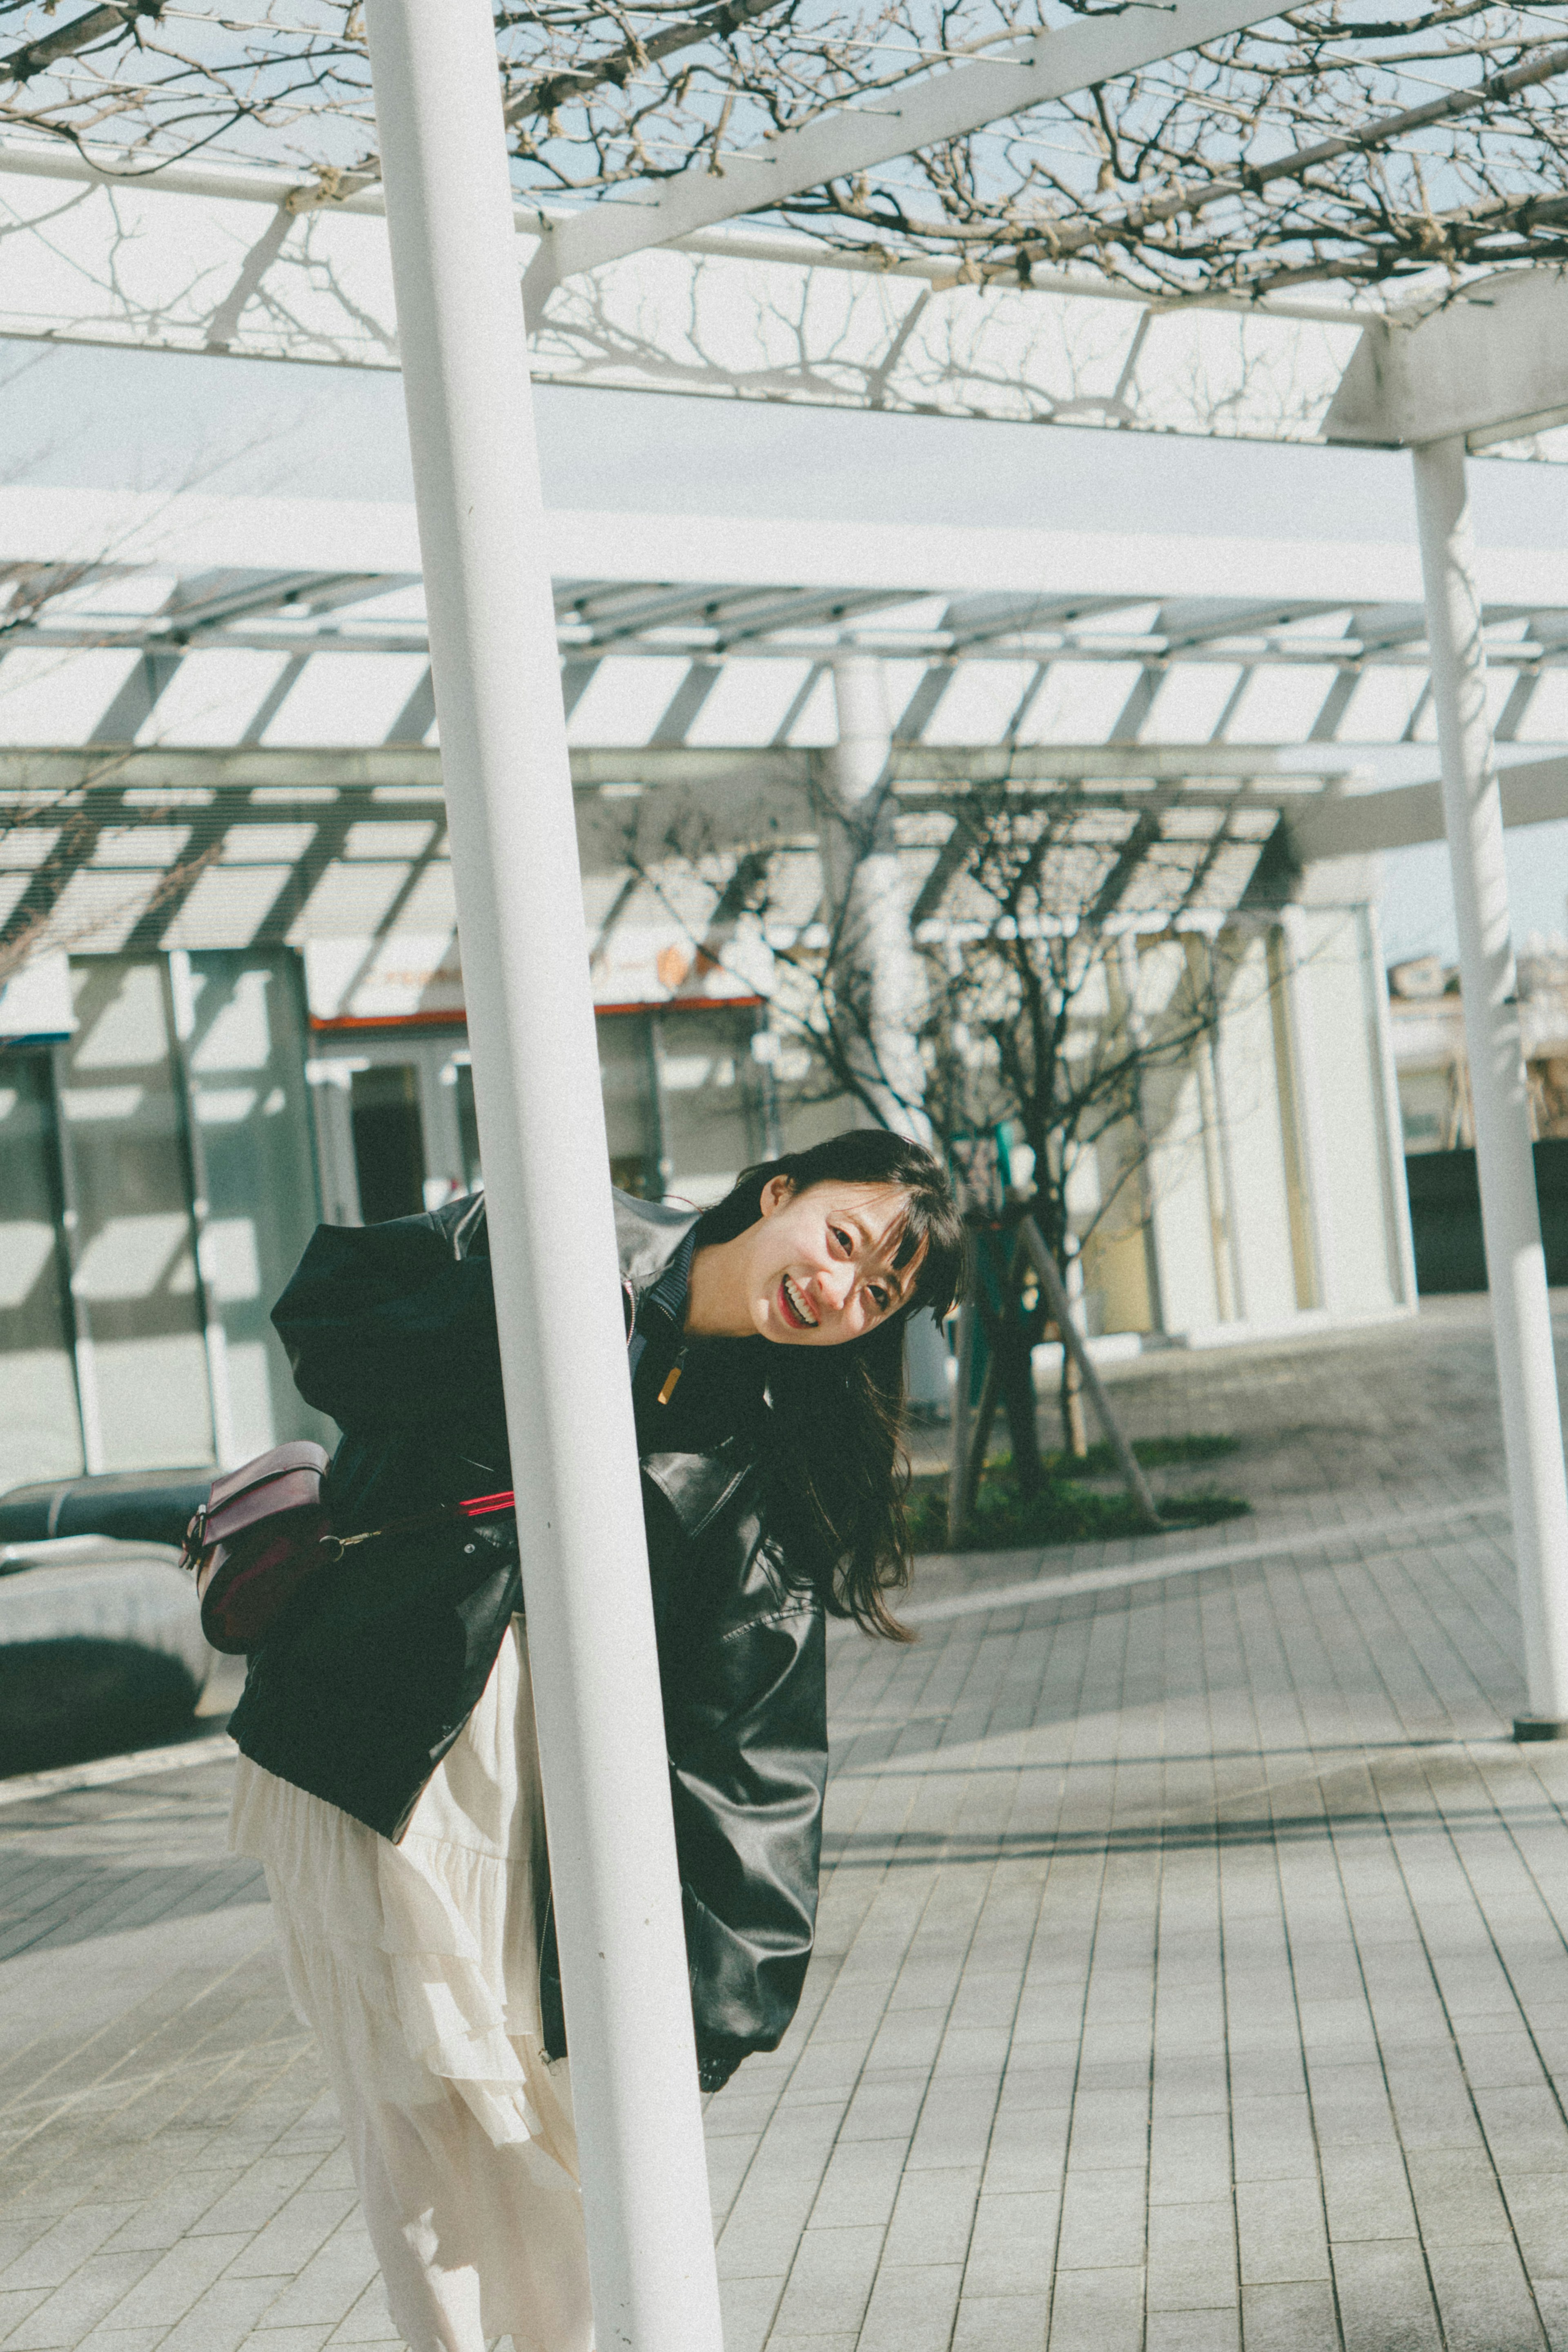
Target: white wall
{"points": [[1227, 1152]]}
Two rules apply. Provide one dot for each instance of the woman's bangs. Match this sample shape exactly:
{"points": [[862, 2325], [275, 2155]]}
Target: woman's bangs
{"points": [[931, 1231]]}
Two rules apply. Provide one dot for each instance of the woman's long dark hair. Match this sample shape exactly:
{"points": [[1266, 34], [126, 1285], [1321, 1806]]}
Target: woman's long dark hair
{"points": [[838, 1467]]}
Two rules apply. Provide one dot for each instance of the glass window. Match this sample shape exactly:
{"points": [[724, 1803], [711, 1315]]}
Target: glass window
{"points": [[630, 1115], [468, 1127], [40, 1430], [135, 1263], [709, 1086], [245, 1057], [389, 1140]]}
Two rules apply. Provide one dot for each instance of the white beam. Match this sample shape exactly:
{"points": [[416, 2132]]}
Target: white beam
{"points": [[1492, 365], [1535, 792], [94, 165], [193, 531], [854, 139]]}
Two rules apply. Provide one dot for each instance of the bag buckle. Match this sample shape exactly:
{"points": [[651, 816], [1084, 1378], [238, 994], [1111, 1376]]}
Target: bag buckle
{"points": [[334, 1547], [195, 1539]]}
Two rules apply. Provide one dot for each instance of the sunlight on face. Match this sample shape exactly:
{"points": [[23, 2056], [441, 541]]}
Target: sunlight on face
{"points": [[819, 1266]]}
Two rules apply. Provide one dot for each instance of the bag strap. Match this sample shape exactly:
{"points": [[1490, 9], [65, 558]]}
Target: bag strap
{"points": [[473, 1506]]}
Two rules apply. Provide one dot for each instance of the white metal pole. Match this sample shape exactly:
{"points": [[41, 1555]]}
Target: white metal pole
{"points": [[1305, 1081], [541, 1126], [867, 885], [1511, 1219], [867, 882], [1396, 1197]]}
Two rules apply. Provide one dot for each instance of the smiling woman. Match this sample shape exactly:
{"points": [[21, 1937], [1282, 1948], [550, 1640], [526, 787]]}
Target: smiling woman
{"points": [[388, 1774], [835, 1246]]}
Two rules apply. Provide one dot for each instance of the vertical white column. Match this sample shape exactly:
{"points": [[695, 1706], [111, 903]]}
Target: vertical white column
{"points": [[871, 902], [1397, 1189], [1516, 1265], [871, 898], [220, 1391], [1305, 1082], [541, 1123]]}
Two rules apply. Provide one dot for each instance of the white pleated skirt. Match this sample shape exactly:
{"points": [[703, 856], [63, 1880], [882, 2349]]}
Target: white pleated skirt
{"points": [[416, 1967]]}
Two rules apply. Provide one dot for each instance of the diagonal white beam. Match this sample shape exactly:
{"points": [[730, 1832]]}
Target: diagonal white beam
{"points": [[1355, 825], [853, 137]]}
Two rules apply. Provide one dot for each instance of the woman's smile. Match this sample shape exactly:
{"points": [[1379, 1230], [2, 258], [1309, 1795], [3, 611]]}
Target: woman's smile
{"points": [[793, 1306]]}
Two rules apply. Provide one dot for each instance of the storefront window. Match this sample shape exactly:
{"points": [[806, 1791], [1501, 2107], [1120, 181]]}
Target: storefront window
{"points": [[709, 1086], [389, 1140], [245, 1056], [468, 1123], [40, 1433], [631, 1106]]}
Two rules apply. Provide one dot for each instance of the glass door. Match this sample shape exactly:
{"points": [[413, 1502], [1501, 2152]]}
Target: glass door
{"points": [[395, 1126]]}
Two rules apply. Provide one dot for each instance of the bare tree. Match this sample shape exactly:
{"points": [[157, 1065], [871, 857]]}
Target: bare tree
{"points": [[1060, 1001], [1327, 143], [1073, 960]]}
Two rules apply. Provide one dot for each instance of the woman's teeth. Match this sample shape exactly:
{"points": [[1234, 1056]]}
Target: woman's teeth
{"points": [[798, 1303]]}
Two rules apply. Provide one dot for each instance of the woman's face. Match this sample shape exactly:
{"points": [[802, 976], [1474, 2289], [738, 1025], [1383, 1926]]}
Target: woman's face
{"points": [[818, 1264]]}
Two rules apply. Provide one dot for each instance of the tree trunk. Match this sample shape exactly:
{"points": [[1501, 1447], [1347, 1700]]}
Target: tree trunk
{"points": [[1074, 1435], [1014, 1363]]}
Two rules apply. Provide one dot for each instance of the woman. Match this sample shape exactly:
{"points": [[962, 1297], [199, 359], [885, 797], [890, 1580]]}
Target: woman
{"points": [[388, 1774]]}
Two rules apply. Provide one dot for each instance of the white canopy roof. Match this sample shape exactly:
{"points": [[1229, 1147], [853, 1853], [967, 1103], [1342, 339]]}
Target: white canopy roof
{"points": [[233, 696]]}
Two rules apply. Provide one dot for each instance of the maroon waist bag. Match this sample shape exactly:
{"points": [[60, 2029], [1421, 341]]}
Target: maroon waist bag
{"points": [[264, 1532]]}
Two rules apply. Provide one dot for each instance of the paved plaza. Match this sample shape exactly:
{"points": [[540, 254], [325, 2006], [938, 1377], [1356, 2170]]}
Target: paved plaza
{"points": [[1191, 1973]]}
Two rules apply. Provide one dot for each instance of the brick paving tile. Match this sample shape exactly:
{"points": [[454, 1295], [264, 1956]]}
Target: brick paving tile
{"points": [[330, 2283], [748, 2305], [285, 2339], [1384, 2298], [369, 2321], [912, 2310], [122, 2339], [1218, 2330], [1192, 1972]]}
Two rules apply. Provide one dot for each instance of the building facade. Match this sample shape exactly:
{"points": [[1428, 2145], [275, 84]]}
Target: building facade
{"points": [[166, 1151]]}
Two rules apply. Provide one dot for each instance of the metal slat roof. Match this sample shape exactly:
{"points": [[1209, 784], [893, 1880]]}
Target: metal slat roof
{"points": [[255, 679]]}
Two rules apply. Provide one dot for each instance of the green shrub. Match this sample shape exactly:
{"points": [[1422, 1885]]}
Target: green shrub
{"points": [[1063, 1510]]}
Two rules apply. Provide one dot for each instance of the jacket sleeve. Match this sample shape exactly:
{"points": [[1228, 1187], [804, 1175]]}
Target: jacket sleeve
{"points": [[747, 1769], [384, 1325]]}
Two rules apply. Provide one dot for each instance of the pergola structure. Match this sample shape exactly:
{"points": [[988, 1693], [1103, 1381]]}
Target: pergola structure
{"points": [[704, 279], [716, 306], [701, 714]]}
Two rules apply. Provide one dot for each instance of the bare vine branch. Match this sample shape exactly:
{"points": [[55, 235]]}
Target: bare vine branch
{"points": [[1326, 145]]}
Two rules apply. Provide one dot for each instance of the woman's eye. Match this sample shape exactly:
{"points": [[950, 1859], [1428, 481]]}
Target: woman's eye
{"points": [[841, 1238]]}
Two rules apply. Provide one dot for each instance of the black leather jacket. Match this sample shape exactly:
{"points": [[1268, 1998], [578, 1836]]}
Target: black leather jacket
{"points": [[391, 1329]]}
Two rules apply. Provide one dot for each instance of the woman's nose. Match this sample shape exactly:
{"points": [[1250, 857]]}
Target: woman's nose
{"points": [[836, 1284]]}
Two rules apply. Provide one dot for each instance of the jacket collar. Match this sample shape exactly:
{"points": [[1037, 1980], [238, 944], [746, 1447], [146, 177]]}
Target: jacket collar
{"points": [[695, 1486], [647, 1235]]}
